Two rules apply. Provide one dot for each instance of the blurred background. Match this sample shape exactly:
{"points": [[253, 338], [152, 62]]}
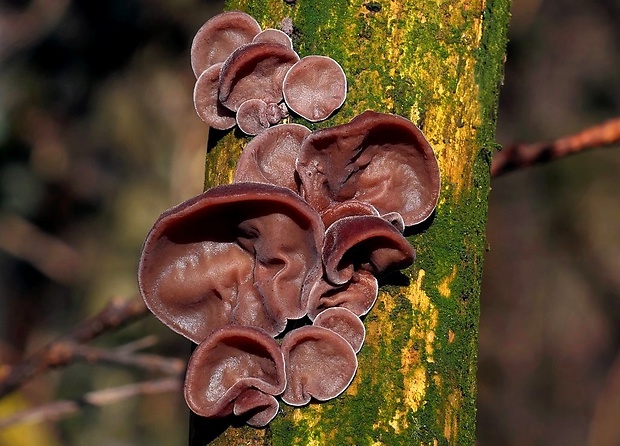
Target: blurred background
{"points": [[98, 136]]}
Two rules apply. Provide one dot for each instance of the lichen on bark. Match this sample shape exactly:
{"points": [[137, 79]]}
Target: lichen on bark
{"points": [[438, 63]]}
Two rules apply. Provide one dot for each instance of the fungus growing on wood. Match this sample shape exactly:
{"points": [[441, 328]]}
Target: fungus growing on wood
{"points": [[244, 254], [364, 243], [345, 323], [236, 370], [377, 158], [270, 157], [206, 101], [315, 87], [219, 37], [319, 364], [255, 71], [274, 36], [252, 117]]}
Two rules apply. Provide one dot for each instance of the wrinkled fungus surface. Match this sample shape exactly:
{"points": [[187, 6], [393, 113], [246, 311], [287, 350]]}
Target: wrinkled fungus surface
{"points": [[310, 223]]}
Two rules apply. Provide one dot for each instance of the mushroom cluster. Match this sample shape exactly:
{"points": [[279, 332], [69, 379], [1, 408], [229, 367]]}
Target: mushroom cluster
{"points": [[252, 77], [310, 223]]}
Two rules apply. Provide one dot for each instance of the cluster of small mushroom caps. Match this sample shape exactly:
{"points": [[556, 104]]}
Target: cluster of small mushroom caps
{"points": [[270, 275], [244, 73]]}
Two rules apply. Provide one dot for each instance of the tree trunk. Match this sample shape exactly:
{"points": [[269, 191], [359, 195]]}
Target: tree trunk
{"points": [[438, 63]]}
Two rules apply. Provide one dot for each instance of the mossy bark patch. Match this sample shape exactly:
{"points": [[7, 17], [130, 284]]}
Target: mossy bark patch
{"points": [[437, 62]]}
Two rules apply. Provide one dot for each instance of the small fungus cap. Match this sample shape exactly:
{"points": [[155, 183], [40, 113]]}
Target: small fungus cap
{"points": [[206, 101], [219, 37], [271, 156], [319, 364], [272, 35], [345, 323], [364, 243], [229, 368], [255, 71], [315, 87], [252, 117], [377, 158]]}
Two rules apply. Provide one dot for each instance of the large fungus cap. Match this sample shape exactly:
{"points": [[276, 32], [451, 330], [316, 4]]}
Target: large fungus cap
{"points": [[236, 370], [364, 243], [206, 101], [378, 158], [345, 323], [255, 71], [270, 157], [315, 87], [245, 254], [219, 37], [319, 364]]}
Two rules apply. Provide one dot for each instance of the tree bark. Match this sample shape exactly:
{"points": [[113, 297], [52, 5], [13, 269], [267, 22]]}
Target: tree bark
{"points": [[438, 63]]}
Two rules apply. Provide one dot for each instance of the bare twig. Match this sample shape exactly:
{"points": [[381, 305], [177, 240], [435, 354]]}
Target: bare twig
{"points": [[61, 409], [151, 363], [517, 156], [116, 314]]}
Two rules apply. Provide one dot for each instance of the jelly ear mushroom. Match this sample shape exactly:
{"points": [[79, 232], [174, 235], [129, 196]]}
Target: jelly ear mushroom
{"points": [[364, 243], [270, 157], [244, 254], [319, 364], [345, 323], [315, 87], [274, 36], [206, 101], [219, 37], [255, 71], [357, 295], [252, 117], [378, 158], [236, 370]]}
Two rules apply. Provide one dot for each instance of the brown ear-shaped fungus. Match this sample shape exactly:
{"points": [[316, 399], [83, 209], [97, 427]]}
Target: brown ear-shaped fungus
{"points": [[252, 117], [364, 243], [245, 254], [345, 323], [272, 35], [358, 295], [232, 361], [378, 158], [207, 103], [255, 71], [347, 208], [396, 220], [315, 87], [219, 37], [319, 364], [270, 157], [259, 408]]}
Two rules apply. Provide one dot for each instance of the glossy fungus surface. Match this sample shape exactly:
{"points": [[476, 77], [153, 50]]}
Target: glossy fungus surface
{"points": [[377, 158], [235, 370], [270, 157], [345, 323], [242, 254], [315, 87], [319, 364], [219, 37], [255, 71], [206, 102]]}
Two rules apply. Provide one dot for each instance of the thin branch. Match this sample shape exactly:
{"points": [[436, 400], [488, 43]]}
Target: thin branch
{"points": [[517, 156], [116, 314], [151, 363], [61, 409]]}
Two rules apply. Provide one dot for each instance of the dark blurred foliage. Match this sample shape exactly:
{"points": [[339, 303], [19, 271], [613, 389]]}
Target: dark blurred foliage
{"points": [[550, 317], [98, 136]]}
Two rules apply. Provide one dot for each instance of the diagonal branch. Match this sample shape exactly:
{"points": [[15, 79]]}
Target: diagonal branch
{"points": [[116, 314], [57, 410], [517, 156]]}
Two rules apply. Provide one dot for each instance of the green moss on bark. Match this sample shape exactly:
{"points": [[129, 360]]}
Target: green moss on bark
{"points": [[439, 64]]}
